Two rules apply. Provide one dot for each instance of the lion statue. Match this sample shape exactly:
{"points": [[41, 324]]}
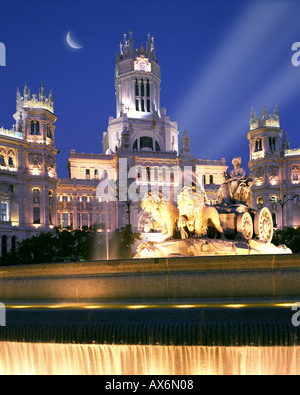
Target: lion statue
{"points": [[195, 214], [164, 212]]}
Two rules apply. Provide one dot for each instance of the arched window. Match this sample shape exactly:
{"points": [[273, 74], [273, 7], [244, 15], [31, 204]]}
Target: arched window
{"points": [[146, 142], [37, 128], [148, 88], [32, 128], [96, 174], [10, 161], [272, 143], [2, 161], [87, 174], [258, 145], [295, 175]]}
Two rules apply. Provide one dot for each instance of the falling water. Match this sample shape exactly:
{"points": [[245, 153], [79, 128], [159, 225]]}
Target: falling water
{"points": [[73, 359]]}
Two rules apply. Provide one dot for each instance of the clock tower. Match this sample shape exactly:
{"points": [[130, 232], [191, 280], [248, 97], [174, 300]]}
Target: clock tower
{"points": [[139, 118], [137, 80]]}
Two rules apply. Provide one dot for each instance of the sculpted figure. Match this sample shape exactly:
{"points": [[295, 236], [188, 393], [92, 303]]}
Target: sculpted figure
{"points": [[195, 214], [164, 212], [234, 189]]}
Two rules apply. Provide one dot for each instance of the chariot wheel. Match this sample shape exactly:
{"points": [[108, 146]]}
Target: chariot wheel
{"points": [[263, 225], [244, 225]]}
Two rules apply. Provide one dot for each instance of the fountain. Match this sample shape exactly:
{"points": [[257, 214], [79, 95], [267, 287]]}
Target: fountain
{"points": [[193, 306]]}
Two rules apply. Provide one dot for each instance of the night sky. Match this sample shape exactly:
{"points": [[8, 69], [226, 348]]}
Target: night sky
{"points": [[218, 59]]}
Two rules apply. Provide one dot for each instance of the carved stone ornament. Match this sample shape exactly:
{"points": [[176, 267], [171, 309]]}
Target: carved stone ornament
{"points": [[273, 173], [35, 161], [259, 174]]}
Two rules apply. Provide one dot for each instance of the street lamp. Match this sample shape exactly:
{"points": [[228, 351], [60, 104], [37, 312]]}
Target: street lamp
{"points": [[282, 203]]}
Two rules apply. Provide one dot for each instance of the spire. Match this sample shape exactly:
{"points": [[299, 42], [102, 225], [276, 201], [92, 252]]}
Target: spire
{"points": [[285, 143], [276, 116], [264, 112], [42, 93], [185, 144], [26, 92]]}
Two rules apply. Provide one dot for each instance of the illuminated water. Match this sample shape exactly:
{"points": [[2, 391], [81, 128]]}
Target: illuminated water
{"points": [[73, 359]]}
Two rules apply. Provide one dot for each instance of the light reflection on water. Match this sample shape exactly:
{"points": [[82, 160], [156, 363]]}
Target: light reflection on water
{"points": [[73, 359]]}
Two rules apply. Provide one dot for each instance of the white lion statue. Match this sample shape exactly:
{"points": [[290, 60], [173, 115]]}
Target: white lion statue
{"points": [[194, 214]]}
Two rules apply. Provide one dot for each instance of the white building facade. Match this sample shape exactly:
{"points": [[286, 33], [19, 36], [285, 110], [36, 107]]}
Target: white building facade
{"points": [[274, 168]]}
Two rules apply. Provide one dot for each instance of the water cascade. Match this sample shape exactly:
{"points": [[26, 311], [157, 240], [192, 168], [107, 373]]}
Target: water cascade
{"points": [[207, 315]]}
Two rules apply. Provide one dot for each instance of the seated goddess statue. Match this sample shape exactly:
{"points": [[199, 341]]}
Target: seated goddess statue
{"points": [[231, 190]]}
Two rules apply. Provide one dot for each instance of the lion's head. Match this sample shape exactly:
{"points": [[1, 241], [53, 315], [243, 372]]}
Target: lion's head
{"points": [[191, 201]]}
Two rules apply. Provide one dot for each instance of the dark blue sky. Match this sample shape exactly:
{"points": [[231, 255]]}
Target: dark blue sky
{"points": [[218, 58]]}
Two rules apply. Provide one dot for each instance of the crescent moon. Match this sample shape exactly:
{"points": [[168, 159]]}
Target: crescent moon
{"points": [[71, 42]]}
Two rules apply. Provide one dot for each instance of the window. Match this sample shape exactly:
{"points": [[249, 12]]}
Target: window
{"points": [[49, 134], [139, 173], [148, 173], [204, 179], [36, 215], [272, 144], [260, 201], [2, 161], [142, 88], [143, 105], [135, 145], [96, 174], [65, 220], [4, 245], [3, 212], [136, 88], [85, 219], [258, 145], [274, 218], [148, 88], [157, 147], [78, 220], [11, 189], [10, 161], [34, 127], [87, 174], [295, 175], [148, 106], [211, 179], [137, 107], [146, 142]]}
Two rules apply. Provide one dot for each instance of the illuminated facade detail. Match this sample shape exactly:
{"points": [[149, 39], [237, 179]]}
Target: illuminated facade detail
{"points": [[141, 139], [274, 168], [28, 170]]}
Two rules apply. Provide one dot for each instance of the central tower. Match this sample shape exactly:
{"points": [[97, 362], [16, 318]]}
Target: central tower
{"points": [[137, 79], [140, 123]]}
